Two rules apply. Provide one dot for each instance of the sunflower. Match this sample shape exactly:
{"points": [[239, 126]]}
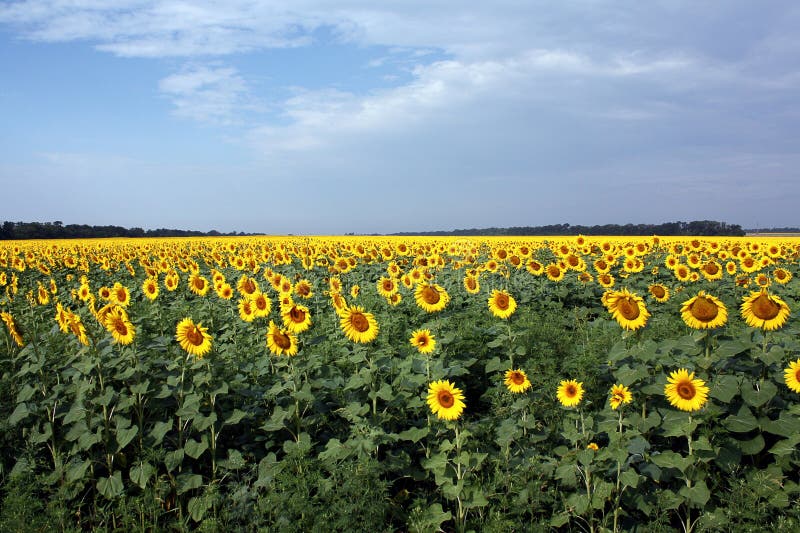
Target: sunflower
{"points": [[431, 297], [77, 328], [358, 325], [704, 312], [199, 285], [422, 340], [247, 311], [605, 280], [12, 328], [660, 292], [119, 325], [339, 303], [387, 286], [517, 380], [193, 338], [303, 289], [764, 310], [120, 295], [471, 284], [620, 394], [592, 446], [296, 317], [791, 376], [281, 341], [246, 285], [534, 267], [684, 391], [150, 288], [445, 400], [224, 291], [782, 276], [262, 305], [628, 309], [712, 270], [570, 393], [554, 272], [502, 304], [394, 299]]}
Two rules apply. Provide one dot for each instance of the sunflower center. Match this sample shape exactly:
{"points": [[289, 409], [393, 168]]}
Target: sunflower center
{"points": [[445, 399], [359, 322], [501, 301], [571, 391], [121, 296], [553, 271], [628, 308], [780, 274], [195, 336], [303, 290], [297, 315], [422, 341], [388, 285], [430, 295], [686, 391], [198, 283], [281, 340], [249, 286], [517, 378], [711, 268], [704, 309], [658, 291], [261, 303], [764, 308], [471, 284], [120, 327]]}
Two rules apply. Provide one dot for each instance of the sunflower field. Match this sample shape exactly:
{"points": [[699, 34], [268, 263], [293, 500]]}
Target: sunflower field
{"points": [[400, 384]]}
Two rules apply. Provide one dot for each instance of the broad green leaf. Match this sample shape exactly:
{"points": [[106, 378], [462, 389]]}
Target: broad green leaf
{"points": [[202, 423], [77, 470], [670, 459], [141, 474], [752, 446], [173, 459], [198, 506], [19, 413], [235, 417], [629, 478], [195, 449], [187, 482], [758, 393], [697, 494], [414, 434], [785, 446], [787, 425], [159, 430], [725, 387], [741, 422], [111, 487], [124, 436]]}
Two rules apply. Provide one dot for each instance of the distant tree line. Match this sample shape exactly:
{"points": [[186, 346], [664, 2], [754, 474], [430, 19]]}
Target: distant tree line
{"points": [[57, 230], [697, 227], [773, 230]]}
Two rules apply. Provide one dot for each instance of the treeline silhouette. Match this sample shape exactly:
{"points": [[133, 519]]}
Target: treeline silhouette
{"points": [[694, 228], [57, 230]]}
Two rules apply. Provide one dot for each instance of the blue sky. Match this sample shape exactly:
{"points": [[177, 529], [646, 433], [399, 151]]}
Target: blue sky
{"points": [[313, 117]]}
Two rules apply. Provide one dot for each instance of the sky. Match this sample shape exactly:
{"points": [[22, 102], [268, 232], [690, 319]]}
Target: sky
{"points": [[329, 117]]}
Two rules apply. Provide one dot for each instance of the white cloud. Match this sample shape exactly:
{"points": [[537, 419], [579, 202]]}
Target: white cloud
{"points": [[209, 94]]}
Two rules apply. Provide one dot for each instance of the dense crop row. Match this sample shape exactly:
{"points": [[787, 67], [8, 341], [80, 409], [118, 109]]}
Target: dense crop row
{"points": [[399, 384]]}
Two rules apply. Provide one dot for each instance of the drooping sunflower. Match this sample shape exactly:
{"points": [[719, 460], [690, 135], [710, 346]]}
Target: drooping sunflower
{"points": [[659, 292], [569, 393], [619, 395], [12, 328], [77, 328], [628, 309], [686, 392], [517, 380], [502, 304], [119, 325], [339, 303], [296, 317], [358, 325], [445, 400], [704, 312], [764, 310], [199, 285], [423, 341], [193, 338], [791, 376], [431, 297], [281, 341]]}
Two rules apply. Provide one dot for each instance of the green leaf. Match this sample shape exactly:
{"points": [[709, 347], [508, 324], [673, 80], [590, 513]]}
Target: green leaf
{"points": [[76, 431], [741, 422], [776, 354], [173, 460], [725, 388], [187, 482], [785, 447], [19, 413], [124, 436], [414, 434], [77, 470], [759, 393], [26, 393], [202, 423], [670, 459], [198, 506], [493, 365], [111, 487], [629, 478], [235, 417], [567, 475], [752, 446], [698, 494], [195, 449], [786, 425], [141, 474], [159, 430], [630, 376], [579, 502]]}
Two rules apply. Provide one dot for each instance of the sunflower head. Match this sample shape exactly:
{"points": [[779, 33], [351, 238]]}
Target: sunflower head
{"points": [[704, 312], [791, 376], [502, 304], [517, 381], [423, 341], [445, 400], [570, 393], [686, 392], [764, 310], [619, 395]]}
